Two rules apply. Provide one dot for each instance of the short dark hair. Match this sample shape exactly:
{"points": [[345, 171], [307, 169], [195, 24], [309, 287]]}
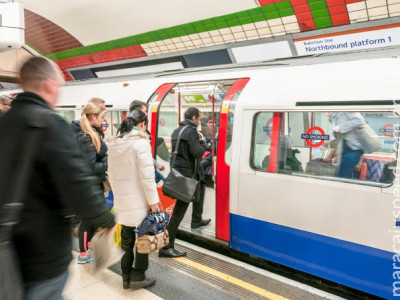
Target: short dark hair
{"points": [[129, 122], [37, 69], [192, 112], [136, 105]]}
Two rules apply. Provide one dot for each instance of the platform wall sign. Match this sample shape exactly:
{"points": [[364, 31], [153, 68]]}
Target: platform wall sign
{"points": [[348, 42]]}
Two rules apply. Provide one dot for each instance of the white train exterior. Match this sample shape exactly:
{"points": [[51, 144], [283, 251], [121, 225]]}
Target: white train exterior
{"points": [[346, 230]]}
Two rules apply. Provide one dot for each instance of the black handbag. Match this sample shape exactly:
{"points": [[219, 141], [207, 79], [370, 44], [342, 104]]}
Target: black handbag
{"points": [[176, 185]]}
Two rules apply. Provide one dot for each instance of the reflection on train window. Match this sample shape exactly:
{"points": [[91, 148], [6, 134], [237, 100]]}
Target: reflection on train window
{"points": [[262, 140], [68, 115], [347, 146]]}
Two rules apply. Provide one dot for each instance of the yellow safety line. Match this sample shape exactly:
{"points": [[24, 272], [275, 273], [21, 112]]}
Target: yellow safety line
{"points": [[245, 285]]}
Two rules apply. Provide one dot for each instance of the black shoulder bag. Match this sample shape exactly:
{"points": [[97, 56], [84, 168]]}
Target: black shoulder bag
{"points": [[11, 285], [178, 186]]}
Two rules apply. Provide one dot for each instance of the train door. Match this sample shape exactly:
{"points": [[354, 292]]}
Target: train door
{"points": [[166, 109]]}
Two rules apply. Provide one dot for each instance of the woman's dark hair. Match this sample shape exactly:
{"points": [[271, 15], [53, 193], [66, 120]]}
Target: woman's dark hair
{"points": [[192, 112], [134, 119]]}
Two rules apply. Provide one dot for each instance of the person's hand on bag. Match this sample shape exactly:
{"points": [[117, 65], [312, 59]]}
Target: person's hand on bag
{"points": [[154, 208]]}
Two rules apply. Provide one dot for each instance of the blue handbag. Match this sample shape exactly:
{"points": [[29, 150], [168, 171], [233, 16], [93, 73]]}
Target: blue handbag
{"points": [[158, 219]]}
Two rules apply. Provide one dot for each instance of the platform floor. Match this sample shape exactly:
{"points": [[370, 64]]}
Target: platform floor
{"points": [[201, 275]]}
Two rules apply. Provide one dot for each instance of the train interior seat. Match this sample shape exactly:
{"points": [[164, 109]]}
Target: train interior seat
{"points": [[372, 167]]}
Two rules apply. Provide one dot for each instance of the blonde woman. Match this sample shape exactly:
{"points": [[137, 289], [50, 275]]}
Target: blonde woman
{"points": [[90, 138], [131, 175]]}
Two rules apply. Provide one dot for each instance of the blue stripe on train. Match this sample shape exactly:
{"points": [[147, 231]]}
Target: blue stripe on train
{"points": [[361, 267]]}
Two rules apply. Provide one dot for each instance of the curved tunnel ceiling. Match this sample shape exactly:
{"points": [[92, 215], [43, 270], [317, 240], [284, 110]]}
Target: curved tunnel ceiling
{"points": [[76, 34]]}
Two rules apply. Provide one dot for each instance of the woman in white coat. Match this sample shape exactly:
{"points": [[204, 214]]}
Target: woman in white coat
{"points": [[131, 174]]}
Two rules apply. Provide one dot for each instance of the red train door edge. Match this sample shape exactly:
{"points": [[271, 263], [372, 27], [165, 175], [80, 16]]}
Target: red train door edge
{"points": [[162, 90], [222, 176]]}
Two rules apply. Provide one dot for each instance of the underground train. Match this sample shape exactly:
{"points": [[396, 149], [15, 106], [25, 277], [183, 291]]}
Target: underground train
{"points": [[263, 116]]}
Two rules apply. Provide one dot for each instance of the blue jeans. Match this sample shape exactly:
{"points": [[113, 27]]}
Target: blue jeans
{"points": [[349, 160], [159, 176], [47, 290]]}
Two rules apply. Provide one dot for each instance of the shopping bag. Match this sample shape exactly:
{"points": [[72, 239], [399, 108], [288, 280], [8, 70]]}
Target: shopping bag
{"points": [[166, 204]]}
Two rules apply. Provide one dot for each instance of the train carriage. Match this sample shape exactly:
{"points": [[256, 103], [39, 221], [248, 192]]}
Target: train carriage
{"points": [[343, 229]]}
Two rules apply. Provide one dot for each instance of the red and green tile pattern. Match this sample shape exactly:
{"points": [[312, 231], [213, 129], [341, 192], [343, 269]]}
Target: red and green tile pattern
{"points": [[272, 18]]}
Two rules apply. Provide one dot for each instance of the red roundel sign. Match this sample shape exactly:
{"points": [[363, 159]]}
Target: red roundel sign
{"points": [[104, 125], [388, 130], [309, 136], [162, 122]]}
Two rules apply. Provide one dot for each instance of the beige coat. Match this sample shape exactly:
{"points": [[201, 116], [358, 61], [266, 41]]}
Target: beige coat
{"points": [[131, 174]]}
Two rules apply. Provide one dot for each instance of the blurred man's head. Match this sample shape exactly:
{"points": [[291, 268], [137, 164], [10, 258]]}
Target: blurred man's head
{"points": [[138, 105], [42, 76], [5, 103]]}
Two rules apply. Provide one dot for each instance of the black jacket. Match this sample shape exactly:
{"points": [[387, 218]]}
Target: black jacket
{"points": [[61, 181], [97, 161], [190, 148]]}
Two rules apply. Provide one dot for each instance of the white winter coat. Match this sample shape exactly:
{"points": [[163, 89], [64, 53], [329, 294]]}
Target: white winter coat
{"points": [[131, 174]]}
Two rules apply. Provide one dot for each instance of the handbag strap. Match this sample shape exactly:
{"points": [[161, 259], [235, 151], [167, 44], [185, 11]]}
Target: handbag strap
{"points": [[176, 151], [12, 210]]}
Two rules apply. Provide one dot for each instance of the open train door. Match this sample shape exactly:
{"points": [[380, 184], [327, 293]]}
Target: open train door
{"points": [[215, 99]]}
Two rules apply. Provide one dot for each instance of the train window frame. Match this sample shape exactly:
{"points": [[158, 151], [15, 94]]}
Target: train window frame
{"points": [[379, 156]]}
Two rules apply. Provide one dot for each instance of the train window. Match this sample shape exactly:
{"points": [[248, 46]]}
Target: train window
{"points": [[231, 118], [331, 145], [262, 140], [68, 115]]}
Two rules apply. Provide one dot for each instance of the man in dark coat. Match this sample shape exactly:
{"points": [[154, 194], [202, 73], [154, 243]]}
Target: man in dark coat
{"points": [[60, 181], [190, 152]]}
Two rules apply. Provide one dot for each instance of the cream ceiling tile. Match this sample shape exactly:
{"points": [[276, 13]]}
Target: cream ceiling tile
{"points": [[393, 1], [168, 42], [157, 53], [264, 31], [197, 42], [228, 37], [145, 46], [185, 38], [379, 12], [194, 36], [356, 6], [179, 45], [292, 28], [239, 35], [251, 33], [241, 39], [152, 44], [171, 47], [189, 43], [163, 48], [248, 27], [176, 40], [204, 35], [279, 33], [395, 14], [394, 8], [160, 43], [263, 24], [149, 51], [358, 16], [237, 29], [191, 47], [375, 3], [156, 49], [265, 35], [289, 20], [274, 22], [215, 33], [227, 30], [165, 51], [217, 39], [277, 29], [209, 44], [207, 41]]}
